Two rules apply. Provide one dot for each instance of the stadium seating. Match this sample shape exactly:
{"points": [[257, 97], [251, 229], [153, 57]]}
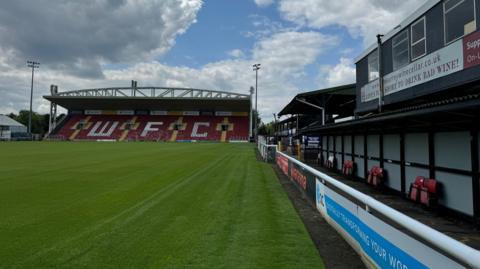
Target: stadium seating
{"points": [[415, 187], [375, 176], [428, 193], [425, 191], [155, 128], [348, 168]]}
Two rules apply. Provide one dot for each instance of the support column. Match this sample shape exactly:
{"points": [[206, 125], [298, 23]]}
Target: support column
{"points": [[343, 151], [402, 163], [365, 156], [52, 122], [475, 173], [431, 154], [380, 153]]}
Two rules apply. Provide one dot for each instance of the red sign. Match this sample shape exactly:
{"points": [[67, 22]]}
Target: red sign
{"points": [[282, 162], [471, 50], [300, 178]]}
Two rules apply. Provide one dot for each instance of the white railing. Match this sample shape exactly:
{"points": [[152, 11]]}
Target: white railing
{"points": [[461, 252], [266, 151]]}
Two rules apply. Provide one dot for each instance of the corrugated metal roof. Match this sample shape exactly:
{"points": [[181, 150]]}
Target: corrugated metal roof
{"points": [[7, 121], [470, 100], [337, 100]]}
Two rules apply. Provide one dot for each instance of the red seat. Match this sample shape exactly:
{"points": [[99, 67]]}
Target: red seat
{"points": [[415, 187], [375, 176], [348, 168], [154, 128], [428, 192]]}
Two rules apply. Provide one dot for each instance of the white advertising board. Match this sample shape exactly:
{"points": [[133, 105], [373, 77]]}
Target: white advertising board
{"points": [[385, 246], [158, 113], [191, 113], [443, 62], [93, 112], [125, 112], [223, 113]]}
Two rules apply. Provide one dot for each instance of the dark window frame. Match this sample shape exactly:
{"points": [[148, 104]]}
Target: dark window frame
{"points": [[424, 39], [445, 20], [395, 44]]}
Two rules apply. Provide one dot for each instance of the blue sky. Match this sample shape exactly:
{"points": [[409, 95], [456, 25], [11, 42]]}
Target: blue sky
{"points": [[224, 26], [302, 45]]}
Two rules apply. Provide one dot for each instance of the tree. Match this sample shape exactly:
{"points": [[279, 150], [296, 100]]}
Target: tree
{"points": [[255, 115], [267, 129], [39, 121]]}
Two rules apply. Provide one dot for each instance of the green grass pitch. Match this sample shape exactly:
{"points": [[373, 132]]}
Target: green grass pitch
{"points": [[145, 205]]}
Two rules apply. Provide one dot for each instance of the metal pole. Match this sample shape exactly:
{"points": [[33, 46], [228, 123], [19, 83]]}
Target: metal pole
{"points": [[380, 73], [256, 67], [30, 114], [256, 104], [33, 65], [250, 131]]}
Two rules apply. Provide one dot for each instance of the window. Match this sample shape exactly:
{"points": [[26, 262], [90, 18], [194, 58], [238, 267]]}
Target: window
{"points": [[459, 19], [400, 52], [373, 66], [419, 43]]}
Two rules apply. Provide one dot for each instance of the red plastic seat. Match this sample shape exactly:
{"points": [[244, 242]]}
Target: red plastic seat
{"points": [[428, 192], [375, 176], [113, 127], [415, 187], [348, 168]]}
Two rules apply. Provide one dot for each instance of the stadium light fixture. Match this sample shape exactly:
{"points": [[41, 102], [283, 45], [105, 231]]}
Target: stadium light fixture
{"points": [[256, 67], [33, 65]]}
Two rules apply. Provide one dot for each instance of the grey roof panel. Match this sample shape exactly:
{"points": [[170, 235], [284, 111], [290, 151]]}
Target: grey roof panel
{"points": [[7, 121]]}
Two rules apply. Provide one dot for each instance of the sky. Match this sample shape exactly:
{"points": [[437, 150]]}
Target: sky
{"points": [[302, 45]]}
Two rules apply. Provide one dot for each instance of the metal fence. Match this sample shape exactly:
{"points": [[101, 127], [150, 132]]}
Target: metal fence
{"points": [[268, 152]]}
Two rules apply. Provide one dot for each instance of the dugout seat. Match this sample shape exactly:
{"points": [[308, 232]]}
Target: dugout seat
{"points": [[348, 168], [414, 193], [375, 176], [428, 193]]}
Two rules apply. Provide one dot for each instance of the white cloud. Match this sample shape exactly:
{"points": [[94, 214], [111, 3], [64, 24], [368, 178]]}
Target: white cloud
{"points": [[236, 53], [283, 56], [263, 3], [80, 36], [362, 18], [265, 27], [340, 74]]}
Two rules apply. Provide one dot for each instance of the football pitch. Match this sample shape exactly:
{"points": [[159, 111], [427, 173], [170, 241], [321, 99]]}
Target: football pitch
{"points": [[145, 205]]}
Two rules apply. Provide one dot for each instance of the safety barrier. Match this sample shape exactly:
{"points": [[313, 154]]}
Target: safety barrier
{"points": [[383, 236], [267, 151]]}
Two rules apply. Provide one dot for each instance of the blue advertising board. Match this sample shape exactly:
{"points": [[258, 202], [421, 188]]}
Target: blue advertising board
{"points": [[383, 252]]}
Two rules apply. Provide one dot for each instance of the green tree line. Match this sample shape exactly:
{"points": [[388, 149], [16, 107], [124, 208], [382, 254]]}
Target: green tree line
{"points": [[39, 121]]}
